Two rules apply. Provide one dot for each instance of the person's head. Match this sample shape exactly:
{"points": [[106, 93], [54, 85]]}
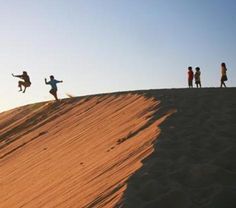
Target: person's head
{"points": [[190, 68], [223, 65], [51, 77], [24, 73], [197, 69]]}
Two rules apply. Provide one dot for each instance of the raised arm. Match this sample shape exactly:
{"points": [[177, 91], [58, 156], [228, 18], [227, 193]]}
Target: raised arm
{"points": [[46, 82]]}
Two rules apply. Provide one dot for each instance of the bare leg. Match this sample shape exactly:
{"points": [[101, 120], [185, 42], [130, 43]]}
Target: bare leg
{"points": [[24, 89], [222, 84], [20, 83], [54, 93], [55, 96]]}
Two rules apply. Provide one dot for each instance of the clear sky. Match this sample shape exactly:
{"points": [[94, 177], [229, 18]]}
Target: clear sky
{"points": [[98, 46]]}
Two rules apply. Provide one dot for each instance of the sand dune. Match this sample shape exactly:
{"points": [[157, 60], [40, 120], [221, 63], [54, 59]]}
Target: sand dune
{"points": [[88, 151], [78, 153]]}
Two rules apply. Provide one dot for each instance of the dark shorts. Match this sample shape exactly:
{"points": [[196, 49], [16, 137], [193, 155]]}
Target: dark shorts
{"points": [[197, 82], [25, 84], [190, 82], [53, 91], [224, 78]]}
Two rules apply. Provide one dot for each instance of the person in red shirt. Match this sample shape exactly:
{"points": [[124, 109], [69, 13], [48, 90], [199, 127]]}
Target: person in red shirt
{"points": [[190, 77]]}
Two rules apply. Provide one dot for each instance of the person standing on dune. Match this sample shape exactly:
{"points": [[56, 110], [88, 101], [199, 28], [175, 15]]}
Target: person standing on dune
{"points": [[26, 81], [197, 77], [190, 77], [223, 75], [53, 82]]}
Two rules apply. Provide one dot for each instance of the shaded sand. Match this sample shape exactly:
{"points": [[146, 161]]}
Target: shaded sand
{"points": [[194, 163], [76, 153]]}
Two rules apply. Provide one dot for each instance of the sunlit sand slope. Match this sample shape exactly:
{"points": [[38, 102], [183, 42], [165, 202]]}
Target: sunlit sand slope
{"points": [[78, 153]]}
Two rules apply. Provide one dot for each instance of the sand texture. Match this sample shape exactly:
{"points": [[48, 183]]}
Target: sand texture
{"points": [[78, 153], [144, 149], [194, 162]]}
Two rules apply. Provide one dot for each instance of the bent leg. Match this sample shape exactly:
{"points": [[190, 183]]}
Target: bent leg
{"points": [[20, 84], [25, 84], [54, 93]]}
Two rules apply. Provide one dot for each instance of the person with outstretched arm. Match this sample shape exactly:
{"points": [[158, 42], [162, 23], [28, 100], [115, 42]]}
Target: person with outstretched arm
{"points": [[53, 82], [26, 81]]}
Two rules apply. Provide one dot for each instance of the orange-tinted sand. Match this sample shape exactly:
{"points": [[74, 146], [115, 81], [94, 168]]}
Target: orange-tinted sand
{"points": [[78, 153]]}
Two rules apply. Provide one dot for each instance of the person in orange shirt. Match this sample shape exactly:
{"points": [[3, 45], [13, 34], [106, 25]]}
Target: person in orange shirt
{"points": [[190, 77], [223, 75]]}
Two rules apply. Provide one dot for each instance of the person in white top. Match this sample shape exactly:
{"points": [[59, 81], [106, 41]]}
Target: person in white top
{"points": [[197, 77]]}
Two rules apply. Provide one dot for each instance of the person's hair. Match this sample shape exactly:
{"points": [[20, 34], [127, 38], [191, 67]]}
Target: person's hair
{"points": [[197, 68], [51, 77], [223, 65], [189, 68], [24, 72]]}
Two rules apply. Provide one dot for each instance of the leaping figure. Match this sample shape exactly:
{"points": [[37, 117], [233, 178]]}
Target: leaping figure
{"points": [[26, 81], [53, 82]]}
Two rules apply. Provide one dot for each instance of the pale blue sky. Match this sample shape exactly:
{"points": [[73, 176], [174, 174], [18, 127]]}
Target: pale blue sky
{"points": [[99, 46]]}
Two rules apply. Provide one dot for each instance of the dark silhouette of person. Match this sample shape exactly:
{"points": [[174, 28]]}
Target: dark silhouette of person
{"points": [[190, 77], [197, 77], [53, 82], [223, 75], [26, 81]]}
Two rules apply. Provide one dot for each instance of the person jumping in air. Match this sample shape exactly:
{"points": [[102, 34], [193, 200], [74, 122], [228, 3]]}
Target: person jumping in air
{"points": [[53, 82], [26, 81], [223, 75], [190, 77], [197, 77]]}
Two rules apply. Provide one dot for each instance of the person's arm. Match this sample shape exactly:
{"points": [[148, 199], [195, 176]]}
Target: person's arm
{"points": [[46, 82], [57, 81], [19, 76]]}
